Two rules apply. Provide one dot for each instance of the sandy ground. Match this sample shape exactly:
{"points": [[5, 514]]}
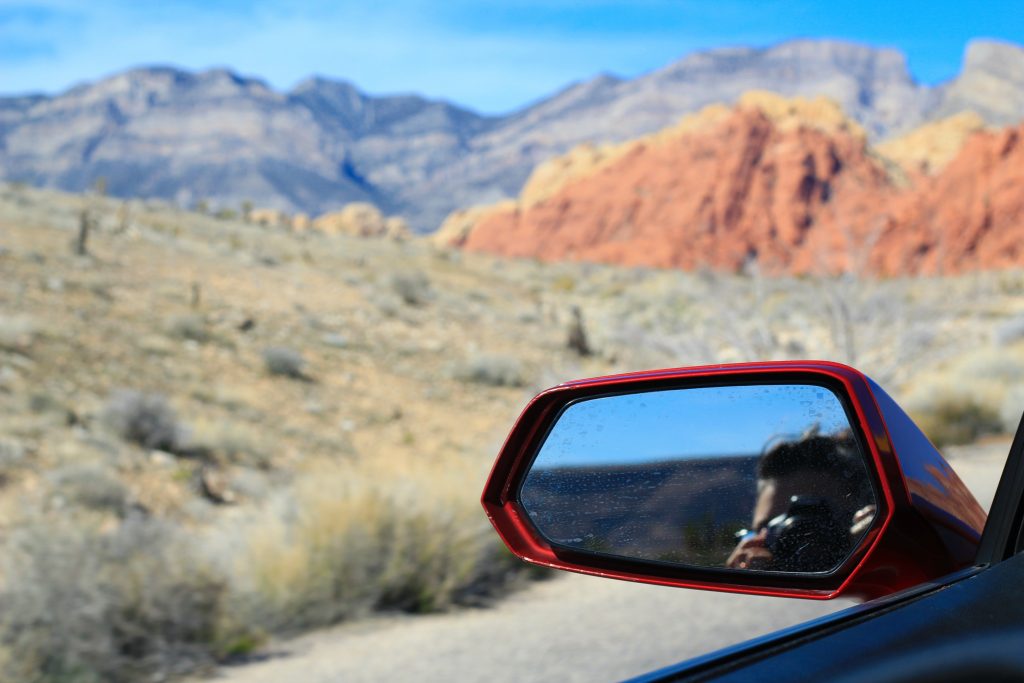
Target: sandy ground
{"points": [[572, 628]]}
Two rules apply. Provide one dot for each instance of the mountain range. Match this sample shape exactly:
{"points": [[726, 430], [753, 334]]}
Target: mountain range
{"points": [[224, 138]]}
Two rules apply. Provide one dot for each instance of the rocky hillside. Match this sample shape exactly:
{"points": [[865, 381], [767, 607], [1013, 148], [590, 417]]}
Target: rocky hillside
{"points": [[221, 137], [791, 184]]}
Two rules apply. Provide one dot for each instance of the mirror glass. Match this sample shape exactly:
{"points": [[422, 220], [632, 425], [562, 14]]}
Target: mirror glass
{"points": [[765, 477]]}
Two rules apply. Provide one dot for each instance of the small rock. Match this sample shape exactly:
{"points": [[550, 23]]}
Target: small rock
{"points": [[337, 341], [215, 487], [162, 458]]}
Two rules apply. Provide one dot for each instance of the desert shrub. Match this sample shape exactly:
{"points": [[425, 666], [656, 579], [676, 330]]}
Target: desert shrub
{"points": [[284, 362], [950, 419], [1010, 331], [1002, 367], [490, 369], [231, 442], [563, 284], [90, 486], [349, 542], [84, 603], [1012, 408], [43, 402], [192, 327], [16, 333], [12, 454], [337, 341], [412, 288], [146, 419]]}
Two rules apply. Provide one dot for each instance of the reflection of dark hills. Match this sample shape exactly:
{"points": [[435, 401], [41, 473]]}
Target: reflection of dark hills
{"points": [[683, 510]]}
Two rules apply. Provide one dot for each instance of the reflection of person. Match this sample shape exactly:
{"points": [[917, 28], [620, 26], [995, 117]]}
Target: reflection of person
{"points": [[814, 501]]}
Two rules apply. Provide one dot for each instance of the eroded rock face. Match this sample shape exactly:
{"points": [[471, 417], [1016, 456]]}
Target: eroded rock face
{"points": [[749, 184], [990, 83], [790, 184], [361, 219], [968, 217], [929, 148]]}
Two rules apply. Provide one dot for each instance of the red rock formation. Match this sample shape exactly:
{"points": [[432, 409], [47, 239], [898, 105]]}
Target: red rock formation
{"points": [[968, 217], [763, 181]]}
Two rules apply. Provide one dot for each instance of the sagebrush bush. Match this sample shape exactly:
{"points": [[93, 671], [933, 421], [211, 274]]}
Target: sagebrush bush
{"points": [[12, 454], [412, 288], [1010, 331], [1012, 408], [952, 419], [90, 486], [191, 327], [230, 442], [146, 419], [81, 602], [490, 369], [349, 542], [16, 333], [284, 362]]}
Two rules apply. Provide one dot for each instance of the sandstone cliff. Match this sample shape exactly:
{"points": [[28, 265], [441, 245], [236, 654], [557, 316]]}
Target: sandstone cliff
{"points": [[789, 183]]}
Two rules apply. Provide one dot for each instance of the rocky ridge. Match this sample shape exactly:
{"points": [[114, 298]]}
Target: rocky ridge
{"points": [[225, 138], [790, 184]]}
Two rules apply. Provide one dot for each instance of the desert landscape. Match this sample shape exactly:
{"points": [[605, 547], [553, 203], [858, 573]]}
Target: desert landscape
{"points": [[258, 349], [218, 432]]}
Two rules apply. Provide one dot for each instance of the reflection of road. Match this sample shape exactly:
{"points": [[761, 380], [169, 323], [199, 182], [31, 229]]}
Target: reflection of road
{"points": [[570, 628]]}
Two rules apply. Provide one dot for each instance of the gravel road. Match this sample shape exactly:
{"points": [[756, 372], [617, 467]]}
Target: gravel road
{"points": [[572, 628]]}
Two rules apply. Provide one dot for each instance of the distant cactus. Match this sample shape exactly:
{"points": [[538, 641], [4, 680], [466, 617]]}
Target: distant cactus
{"points": [[85, 225], [124, 218], [577, 337]]}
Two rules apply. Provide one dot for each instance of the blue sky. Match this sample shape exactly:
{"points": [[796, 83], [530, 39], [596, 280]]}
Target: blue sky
{"points": [[682, 423], [492, 56]]}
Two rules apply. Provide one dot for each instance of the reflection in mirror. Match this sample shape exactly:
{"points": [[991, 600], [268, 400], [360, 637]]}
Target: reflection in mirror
{"points": [[756, 478]]}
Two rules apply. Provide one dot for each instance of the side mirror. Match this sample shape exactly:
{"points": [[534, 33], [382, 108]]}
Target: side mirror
{"points": [[800, 479]]}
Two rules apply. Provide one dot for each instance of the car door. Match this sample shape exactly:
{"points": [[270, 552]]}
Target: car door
{"points": [[969, 626], [582, 484]]}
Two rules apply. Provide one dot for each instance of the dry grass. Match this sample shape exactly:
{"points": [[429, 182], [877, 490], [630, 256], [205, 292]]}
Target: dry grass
{"points": [[398, 533]]}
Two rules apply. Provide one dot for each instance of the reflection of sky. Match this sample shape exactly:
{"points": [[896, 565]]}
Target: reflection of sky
{"points": [[682, 423]]}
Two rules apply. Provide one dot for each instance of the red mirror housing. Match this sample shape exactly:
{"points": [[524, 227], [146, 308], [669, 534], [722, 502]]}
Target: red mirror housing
{"points": [[927, 523]]}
